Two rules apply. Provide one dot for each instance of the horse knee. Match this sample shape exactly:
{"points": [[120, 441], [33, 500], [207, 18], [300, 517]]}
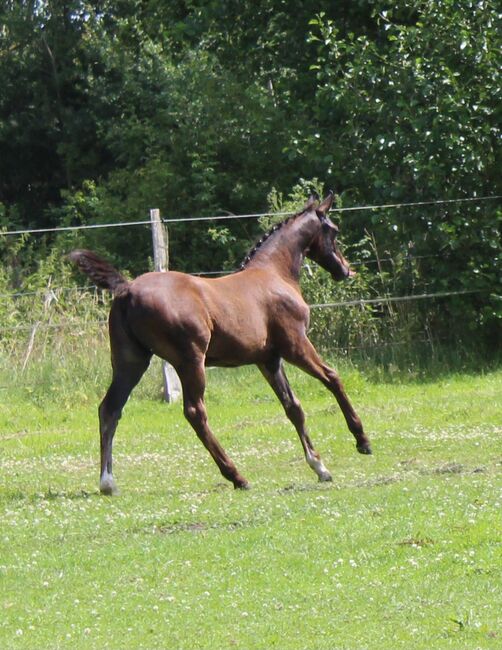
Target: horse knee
{"points": [[333, 379], [292, 407], [190, 413]]}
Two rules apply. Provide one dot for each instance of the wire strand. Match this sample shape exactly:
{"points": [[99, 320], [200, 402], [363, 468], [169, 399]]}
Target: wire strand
{"points": [[93, 287], [256, 215], [326, 305], [384, 299], [349, 209]]}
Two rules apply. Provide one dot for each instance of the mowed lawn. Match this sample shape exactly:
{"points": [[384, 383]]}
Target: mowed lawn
{"points": [[402, 550]]}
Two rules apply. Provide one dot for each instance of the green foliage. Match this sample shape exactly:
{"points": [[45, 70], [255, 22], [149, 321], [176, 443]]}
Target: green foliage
{"points": [[410, 335], [416, 111], [416, 103], [109, 109]]}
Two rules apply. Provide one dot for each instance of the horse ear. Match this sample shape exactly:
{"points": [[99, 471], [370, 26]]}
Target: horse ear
{"points": [[312, 202], [325, 206]]}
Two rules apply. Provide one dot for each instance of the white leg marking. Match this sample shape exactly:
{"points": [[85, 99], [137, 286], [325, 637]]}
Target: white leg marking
{"points": [[318, 466], [107, 484]]}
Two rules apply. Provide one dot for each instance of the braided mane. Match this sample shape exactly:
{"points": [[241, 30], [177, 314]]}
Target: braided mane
{"points": [[273, 230]]}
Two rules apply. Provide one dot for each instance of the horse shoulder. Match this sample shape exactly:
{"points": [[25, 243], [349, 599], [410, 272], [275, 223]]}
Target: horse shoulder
{"points": [[288, 302]]}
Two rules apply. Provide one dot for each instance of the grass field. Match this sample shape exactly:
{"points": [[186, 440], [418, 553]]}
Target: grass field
{"points": [[402, 550]]}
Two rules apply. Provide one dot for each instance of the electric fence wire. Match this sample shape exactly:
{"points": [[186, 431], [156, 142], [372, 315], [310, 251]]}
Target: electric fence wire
{"points": [[327, 305], [256, 215]]}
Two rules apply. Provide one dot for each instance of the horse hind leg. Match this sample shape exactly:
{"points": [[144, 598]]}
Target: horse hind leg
{"points": [[276, 377], [193, 381], [125, 378]]}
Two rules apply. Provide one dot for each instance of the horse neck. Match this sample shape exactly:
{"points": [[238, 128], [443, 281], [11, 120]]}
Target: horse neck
{"points": [[285, 249]]}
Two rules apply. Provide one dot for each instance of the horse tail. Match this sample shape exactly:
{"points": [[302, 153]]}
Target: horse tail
{"points": [[101, 272]]}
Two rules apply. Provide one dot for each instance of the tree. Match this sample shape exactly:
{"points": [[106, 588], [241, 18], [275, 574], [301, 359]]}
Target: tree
{"points": [[202, 107]]}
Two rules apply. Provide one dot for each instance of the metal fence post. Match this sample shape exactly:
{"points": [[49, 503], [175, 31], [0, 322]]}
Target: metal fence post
{"points": [[160, 240]]}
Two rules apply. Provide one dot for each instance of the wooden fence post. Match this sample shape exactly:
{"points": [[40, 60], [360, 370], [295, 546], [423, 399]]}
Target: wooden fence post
{"points": [[172, 384]]}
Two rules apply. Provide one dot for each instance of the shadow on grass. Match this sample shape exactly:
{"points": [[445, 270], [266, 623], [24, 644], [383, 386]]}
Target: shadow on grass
{"points": [[50, 495]]}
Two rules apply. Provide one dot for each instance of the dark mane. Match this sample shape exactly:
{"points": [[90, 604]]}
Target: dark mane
{"points": [[275, 228]]}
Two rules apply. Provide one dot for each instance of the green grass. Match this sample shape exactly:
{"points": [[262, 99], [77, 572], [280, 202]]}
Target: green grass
{"points": [[400, 551]]}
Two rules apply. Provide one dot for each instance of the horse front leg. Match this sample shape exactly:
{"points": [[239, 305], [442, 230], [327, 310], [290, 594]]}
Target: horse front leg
{"points": [[307, 358], [276, 377], [193, 382]]}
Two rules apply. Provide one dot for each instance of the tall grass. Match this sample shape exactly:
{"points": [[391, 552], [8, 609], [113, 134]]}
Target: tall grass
{"points": [[55, 341]]}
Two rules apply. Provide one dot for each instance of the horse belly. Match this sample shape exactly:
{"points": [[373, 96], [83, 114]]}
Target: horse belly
{"points": [[237, 346]]}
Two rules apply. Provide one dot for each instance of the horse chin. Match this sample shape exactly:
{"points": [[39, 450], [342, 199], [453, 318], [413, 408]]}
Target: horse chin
{"points": [[342, 273], [347, 271], [340, 269]]}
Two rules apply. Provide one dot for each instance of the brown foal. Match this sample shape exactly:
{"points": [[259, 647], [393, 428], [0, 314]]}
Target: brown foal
{"points": [[256, 315]]}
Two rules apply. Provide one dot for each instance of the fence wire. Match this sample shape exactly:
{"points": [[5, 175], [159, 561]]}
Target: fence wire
{"points": [[328, 305], [92, 287], [254, 215], [356, 302]]}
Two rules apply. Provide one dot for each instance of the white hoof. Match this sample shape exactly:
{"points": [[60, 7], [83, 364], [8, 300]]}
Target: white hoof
{"points": [[108, 486], [319, 468]]}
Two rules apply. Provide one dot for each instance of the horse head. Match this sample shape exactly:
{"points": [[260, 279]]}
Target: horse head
{"points": [[323, 248]]}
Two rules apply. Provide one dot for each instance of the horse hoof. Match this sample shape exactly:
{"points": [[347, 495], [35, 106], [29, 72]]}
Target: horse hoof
{"points": [[364, 449], [244, 485], [108, 487], [325, 477]]}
